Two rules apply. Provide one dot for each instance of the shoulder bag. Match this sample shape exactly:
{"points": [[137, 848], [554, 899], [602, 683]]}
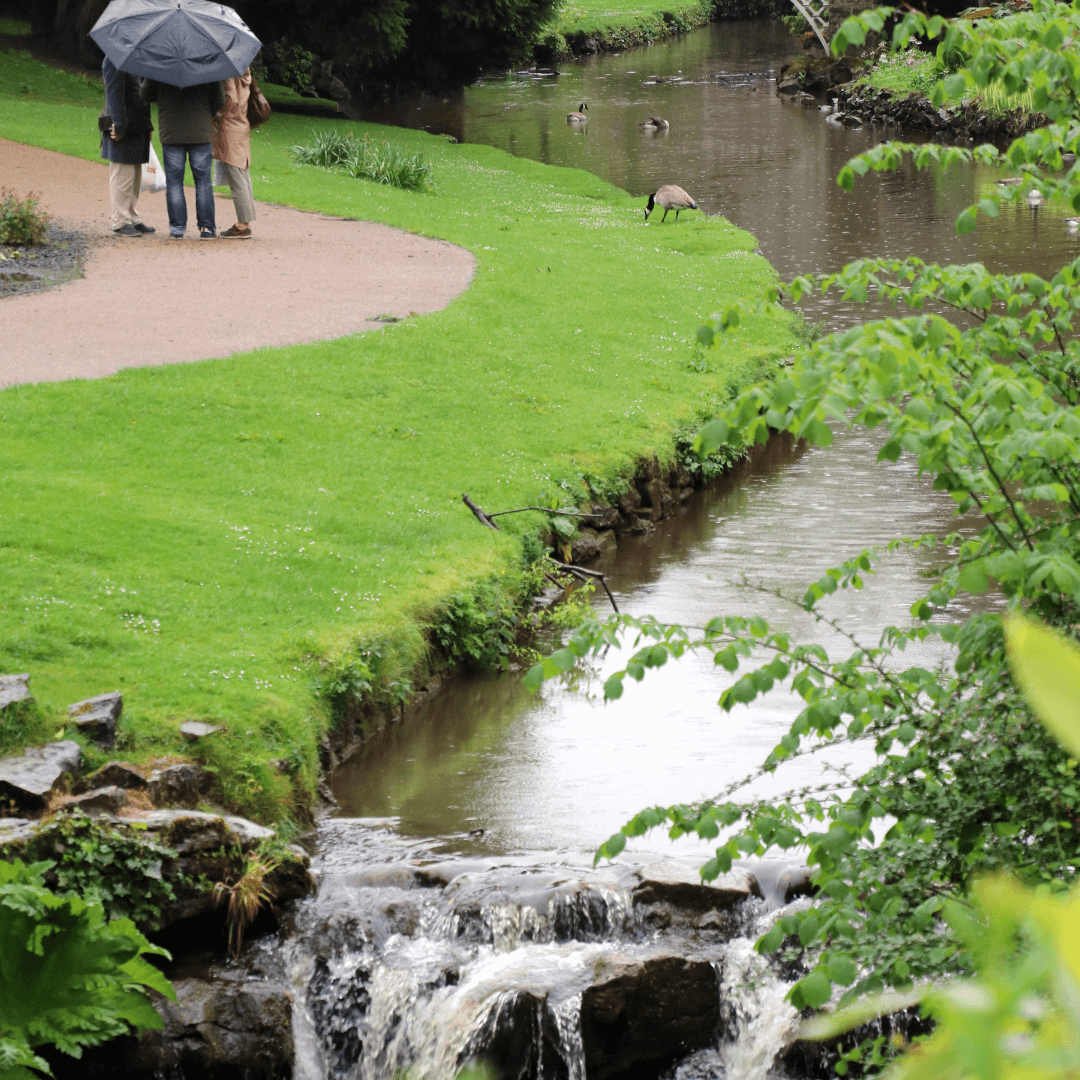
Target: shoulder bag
{"points": [[258, 108]]}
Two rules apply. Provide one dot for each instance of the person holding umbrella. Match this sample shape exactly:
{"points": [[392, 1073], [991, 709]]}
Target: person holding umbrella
{"points": [[126, 147], [185, 48], [186, 129]]}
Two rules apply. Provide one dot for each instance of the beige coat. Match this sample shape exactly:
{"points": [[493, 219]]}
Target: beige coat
{"points": [[232, 142]]}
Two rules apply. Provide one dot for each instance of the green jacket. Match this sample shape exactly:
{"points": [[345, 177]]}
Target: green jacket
{"points": [[185, 116]]}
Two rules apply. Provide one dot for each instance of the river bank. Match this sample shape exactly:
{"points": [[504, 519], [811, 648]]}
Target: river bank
{"points": [[258, 535], [893, 89], [588, 27]]}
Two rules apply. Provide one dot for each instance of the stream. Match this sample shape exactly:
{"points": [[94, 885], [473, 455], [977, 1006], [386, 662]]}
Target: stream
{"points": [[459, 916]]}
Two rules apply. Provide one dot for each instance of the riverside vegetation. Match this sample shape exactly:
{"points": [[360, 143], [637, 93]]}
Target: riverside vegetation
{"points": [[259, 540], [977, 376]]}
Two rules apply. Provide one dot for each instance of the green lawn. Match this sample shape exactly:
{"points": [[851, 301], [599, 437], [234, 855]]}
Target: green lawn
{"points": [[206, 537], [632, 23]]}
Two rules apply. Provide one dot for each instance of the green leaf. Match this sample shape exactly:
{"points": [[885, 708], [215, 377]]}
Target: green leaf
{"points": [[534, 677], [841, 970], [771, 941], [613, 688], [813, 991], [562, 659], [819, 1028], [955, 86], [613, 845], [1046, 667], [711, 437], [965, 223], [973, 578]]}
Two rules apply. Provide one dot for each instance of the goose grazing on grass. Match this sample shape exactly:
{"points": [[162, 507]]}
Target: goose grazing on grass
{"points": [[670, 197], [578, 117], [655, 123]]}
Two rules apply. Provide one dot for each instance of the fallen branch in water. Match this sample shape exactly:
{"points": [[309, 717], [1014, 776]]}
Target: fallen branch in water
{"points": [[582, 574], [576, 571]]}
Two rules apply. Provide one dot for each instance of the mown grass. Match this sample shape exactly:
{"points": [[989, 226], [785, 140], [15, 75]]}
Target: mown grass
{"points": [[15, 27], [207, 537], [632, 23]]}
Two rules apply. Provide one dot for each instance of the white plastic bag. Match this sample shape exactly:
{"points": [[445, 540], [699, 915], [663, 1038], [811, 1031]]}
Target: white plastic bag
{"points": [[153, 175]]}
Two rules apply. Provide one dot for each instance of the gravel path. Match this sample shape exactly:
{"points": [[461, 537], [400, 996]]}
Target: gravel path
{"points": [[151, 300]]}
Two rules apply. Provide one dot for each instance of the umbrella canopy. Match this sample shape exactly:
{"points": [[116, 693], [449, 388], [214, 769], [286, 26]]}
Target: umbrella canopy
{"points": [[181, 42]]}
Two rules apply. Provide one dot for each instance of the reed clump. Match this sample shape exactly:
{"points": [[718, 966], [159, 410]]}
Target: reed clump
{"points": [[366, 159]]}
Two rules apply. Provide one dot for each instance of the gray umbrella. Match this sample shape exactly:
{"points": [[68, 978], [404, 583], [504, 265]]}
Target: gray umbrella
{"points": [[180, 42]]}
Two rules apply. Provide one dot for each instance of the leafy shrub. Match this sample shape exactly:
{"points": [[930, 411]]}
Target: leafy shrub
{"points": [[965, 780], [478, 628], [290, 65], [20, 220], [116, 867], [69, 977], [364, 159]]}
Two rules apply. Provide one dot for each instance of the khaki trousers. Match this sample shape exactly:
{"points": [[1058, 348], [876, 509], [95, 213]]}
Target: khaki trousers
{"points": [[124, 183], [243, 197]]}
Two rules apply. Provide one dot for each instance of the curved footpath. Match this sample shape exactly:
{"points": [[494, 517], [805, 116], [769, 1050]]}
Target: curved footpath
{"points": [[149, 300]]}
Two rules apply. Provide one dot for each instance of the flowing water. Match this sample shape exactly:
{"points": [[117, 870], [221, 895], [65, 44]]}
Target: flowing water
{"points": [[513, 791]]}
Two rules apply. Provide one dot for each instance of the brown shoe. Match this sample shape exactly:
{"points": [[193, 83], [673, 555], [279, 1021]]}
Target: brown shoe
{"points": [[236, 233]]}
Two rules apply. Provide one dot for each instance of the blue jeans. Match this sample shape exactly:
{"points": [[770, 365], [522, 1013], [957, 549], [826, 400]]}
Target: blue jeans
{"points": [[202, 160]]}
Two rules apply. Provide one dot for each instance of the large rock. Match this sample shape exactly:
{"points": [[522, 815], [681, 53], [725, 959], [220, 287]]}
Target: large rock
{"points": [[197, 729], [108, 800], [13, 689], [220, 1026], [176, 785], [642, 1014], [589, 545], [212, 847], [96, 717], [517, 1038], [112, 774], [28, 781], [680, 885]]}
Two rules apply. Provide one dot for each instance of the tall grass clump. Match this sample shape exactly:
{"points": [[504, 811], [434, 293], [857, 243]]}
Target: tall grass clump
{"points": [[364, 159]]}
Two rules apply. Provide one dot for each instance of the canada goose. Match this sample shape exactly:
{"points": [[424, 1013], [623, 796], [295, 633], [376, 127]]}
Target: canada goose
{"points": [[670, 197], [1035, 198], [578, 117], [655, 123]]}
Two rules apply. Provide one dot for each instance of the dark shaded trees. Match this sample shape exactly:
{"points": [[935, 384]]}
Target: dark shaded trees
{"points": [[404, 41]]}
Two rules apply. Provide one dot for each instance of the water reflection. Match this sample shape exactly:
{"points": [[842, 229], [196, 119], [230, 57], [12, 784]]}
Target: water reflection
{"points": [[767, 165], [562, 770]]}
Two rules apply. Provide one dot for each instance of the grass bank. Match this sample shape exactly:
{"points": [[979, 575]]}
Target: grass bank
{"points": [[217, 540], [589, 26]]}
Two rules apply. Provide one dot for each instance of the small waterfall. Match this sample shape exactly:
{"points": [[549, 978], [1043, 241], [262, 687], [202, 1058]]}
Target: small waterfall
{"points": [[763, 1020], [420, 969]]}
